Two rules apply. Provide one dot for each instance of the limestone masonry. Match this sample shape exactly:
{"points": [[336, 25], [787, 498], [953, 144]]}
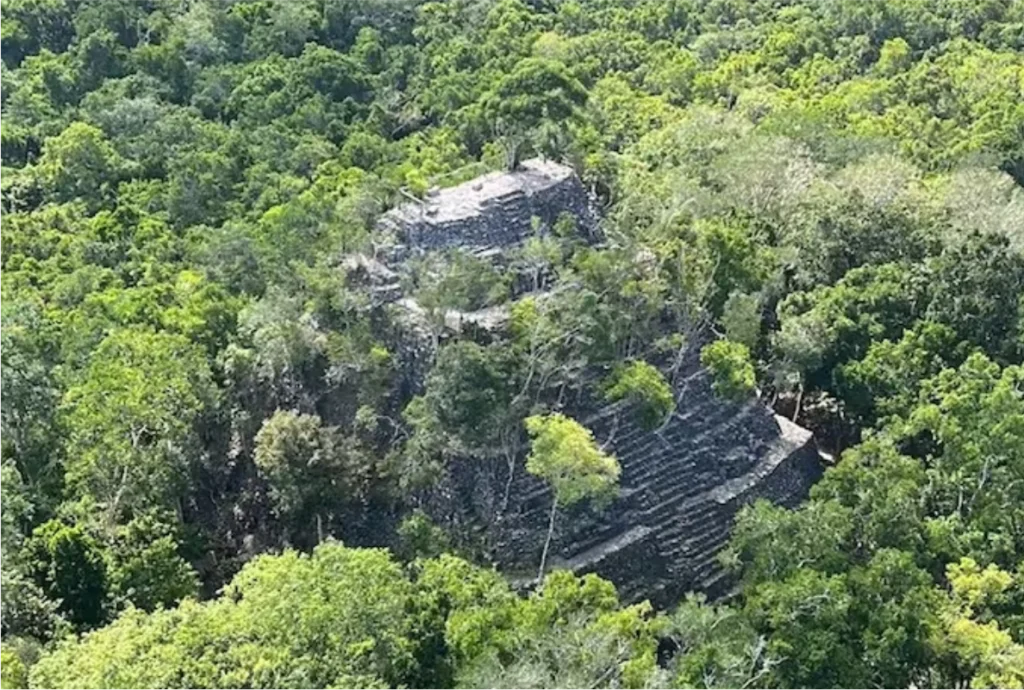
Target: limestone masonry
{"points": [[495, 210], [681, 484]]}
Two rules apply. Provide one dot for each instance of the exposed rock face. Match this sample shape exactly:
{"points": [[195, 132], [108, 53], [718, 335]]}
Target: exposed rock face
{"points": [[495, 210], [680, 489], [681, 484]]}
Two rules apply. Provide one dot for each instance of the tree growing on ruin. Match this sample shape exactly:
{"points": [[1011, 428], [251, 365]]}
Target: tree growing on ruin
{"points": [[732, 369], [564, 454], [644, 387], [538, 94], [311, 468]]}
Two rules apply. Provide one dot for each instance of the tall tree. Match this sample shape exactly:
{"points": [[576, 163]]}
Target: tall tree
{"points": [[135, 422], [312, 469], [564, 454], [537, 94]]}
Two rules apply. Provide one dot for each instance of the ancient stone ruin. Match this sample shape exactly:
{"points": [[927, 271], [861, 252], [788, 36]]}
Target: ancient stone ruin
{"points": [[680, 488], [681, 484], [492, 211]]}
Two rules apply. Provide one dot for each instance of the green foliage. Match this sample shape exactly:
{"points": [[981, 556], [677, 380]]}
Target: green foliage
{"points": [[977, 290], [468, 398], [336, 617], [935, 486], [719, 648], [421, 538], [68, 565], [731, 367], [646, 388], [311, 469], [16, 657], [133, 420], [564, 454], [461, 282], [877, 384], [837, 323], [985, 654], [351, 616], [26, 608], [571, 633], [16, 510], [741, 319], [79, 163], [530, 102], [144, 565], [196, 367], [29, 445]]}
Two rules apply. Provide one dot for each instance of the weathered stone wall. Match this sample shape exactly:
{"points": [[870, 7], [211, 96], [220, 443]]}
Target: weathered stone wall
{"points": [[496, 210], [681, 484]]}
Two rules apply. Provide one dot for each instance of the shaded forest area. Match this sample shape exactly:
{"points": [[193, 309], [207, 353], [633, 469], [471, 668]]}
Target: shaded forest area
{"points": [[211, 466]]}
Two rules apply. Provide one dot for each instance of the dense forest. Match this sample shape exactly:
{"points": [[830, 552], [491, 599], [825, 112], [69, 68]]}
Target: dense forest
{"points": [[211, 467]]}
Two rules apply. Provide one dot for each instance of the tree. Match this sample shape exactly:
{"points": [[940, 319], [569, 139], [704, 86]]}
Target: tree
{"points": [[570, 632], [30, 438], [741, 319], [336, 617], [968, 426], [144, 566], [537, 93], [858, 568], [279, 356], [470, 390], [564, 454], [456, 281], [977, 649], [79, 163], [15, 675], [35, 25], [69, 565], [312, 469], [420, 537], [977, 289], [134, 421], [470, 407], [834, 324], [718, 647], [732, 370], [27, 611], [878, 383], [644, 387]]}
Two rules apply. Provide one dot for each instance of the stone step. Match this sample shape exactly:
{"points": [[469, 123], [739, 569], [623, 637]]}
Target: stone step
{"points": [[707, 570], [726, 424], [653, 477], [709, 540], [693, 525], [679, 484], [642, 456], [701, 412], [590, 540], [699, 418], [626, 436], [659, 512]]}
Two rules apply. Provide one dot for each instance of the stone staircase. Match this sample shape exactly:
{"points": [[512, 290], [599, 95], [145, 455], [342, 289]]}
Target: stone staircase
{"points": [[680, 488], [681, 484]]}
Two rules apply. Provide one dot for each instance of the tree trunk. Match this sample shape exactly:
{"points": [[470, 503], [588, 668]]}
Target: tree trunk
{"points": [[799, 402], [547, 542], [511, 464]]}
